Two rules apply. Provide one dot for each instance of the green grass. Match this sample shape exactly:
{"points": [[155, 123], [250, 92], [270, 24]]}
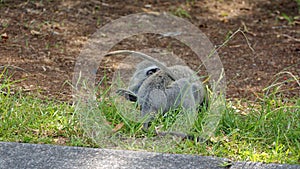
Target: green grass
{"points": [[28, 119], [31, 120], [267, 130], [180, 12], [298, 4], [292, 20]]}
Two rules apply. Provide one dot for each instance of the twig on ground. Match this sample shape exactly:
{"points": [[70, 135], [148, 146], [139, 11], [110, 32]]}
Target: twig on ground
{"points": [[290, 37], [13, 67], [229, 38]]}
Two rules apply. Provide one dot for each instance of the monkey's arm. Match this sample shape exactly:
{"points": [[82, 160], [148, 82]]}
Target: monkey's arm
{"points": [[153, 102]]}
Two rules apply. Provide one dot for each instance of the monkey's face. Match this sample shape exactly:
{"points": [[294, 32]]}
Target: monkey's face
{"points": [[140, 76], [136, 82]]}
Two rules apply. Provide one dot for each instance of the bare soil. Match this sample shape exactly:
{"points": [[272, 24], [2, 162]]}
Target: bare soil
{"points": [[40, 40]]}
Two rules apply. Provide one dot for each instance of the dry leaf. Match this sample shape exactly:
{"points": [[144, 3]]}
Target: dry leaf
{"points": [[151, 12], [61, 140], [4, 36], [118, 127], [33, 32]]}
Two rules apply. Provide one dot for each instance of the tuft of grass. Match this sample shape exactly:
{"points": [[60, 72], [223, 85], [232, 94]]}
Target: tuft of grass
{"points": [[29, 119], [180, 12], [290, 19], [268, 132], [298, 4]]}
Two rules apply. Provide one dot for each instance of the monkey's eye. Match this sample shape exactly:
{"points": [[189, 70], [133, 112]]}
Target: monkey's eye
{"points": [[152, 71]]}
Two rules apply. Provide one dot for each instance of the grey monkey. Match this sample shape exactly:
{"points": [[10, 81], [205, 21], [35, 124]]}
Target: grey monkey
{"points": [[156, 87], [160, 92]]}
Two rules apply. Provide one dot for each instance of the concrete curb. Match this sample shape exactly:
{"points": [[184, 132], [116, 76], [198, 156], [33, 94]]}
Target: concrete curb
{"points": [[20, 155]]}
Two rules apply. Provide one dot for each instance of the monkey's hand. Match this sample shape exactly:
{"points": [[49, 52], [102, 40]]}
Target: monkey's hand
{"points": [[129, 95]]}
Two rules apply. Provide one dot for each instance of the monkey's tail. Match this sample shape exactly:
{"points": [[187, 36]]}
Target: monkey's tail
{"points": [[146, 57]]}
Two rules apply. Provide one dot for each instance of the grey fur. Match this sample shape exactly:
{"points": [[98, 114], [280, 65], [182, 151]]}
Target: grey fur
{"points": [[143, 71], [160, 93], [164, 89]]}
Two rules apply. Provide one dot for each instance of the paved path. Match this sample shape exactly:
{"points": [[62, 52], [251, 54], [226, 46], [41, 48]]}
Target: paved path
{"points": [[19, 156]]}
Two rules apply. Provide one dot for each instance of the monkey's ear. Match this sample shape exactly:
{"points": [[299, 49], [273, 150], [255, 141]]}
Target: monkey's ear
{"points": [[129, 95]]}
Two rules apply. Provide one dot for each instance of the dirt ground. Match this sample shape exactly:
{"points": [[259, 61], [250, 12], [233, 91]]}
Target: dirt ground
{"points": [[40, 40]]}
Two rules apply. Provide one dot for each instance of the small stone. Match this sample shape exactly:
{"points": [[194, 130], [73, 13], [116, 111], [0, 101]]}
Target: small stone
{"points": [[148, 6]]}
